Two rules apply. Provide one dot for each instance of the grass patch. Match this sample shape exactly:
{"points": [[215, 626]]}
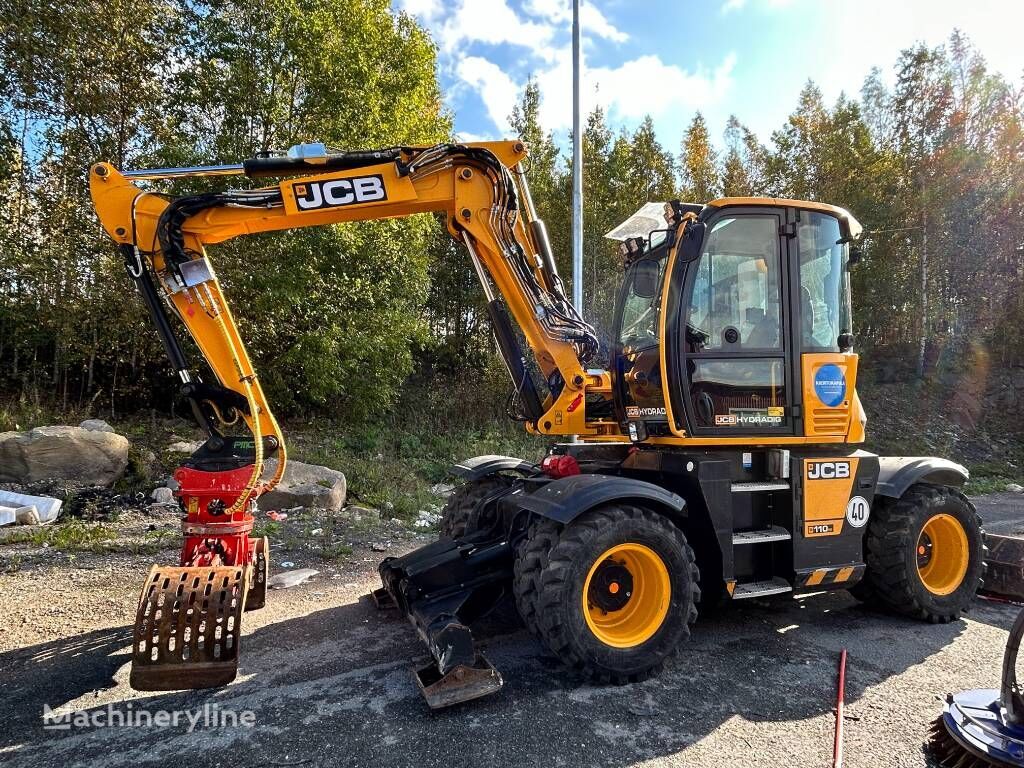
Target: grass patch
{"points": [[72, 535]]}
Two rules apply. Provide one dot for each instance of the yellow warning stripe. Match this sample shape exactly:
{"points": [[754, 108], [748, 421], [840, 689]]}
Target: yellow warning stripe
{"points": [[817, 577], [826, 576]]}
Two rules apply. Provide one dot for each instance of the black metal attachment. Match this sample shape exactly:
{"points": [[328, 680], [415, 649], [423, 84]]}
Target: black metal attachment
{"points": [[442, 588]]}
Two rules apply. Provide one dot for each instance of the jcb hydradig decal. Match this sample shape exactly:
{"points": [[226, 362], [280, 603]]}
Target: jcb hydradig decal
{"points": [[828, 486]]}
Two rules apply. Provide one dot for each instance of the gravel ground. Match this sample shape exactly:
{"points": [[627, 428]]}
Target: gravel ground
{"points": [[326, 680]]}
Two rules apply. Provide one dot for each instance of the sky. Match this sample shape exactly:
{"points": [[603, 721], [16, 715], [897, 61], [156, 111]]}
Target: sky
{"points": [[672, 58]]}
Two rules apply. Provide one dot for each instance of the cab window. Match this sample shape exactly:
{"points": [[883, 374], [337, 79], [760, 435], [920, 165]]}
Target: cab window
{"points": [[641, 305], [735, 300], [824, 282]]}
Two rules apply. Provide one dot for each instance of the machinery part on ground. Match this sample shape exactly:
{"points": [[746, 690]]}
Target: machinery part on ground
{"points": [[442, 588], [187, 627], [925, 554], [1005, 573], [982, 728], [618, 594], [465, 510], [463, 683]]}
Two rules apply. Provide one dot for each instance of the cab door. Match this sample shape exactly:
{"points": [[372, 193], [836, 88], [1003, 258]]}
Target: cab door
{"points": [[732, 353]]}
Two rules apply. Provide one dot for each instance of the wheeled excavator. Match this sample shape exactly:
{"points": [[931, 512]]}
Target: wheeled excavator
{"points": [[717, 456]]}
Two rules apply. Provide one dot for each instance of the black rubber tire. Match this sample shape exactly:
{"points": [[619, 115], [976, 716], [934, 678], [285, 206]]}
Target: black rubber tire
{"points": [[557, 605], [892, 580], [464, 499], [530, 562]]}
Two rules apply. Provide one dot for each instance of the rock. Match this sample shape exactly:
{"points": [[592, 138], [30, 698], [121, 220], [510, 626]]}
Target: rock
{"points": [[162, 496], [8, 516], [184, 446], [28, 515], [46, 507], [378, 546], [427, 518], [305, 485], [96, 425], [291, 579], [84, 457], [442, 489], [1014, 488]]}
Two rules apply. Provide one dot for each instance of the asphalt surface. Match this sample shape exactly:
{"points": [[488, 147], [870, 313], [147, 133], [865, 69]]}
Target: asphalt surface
{"points": [[326, 680]]}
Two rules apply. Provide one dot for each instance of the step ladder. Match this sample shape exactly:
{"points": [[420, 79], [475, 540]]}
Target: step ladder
{"points": [[775, 585], [761, 535]]}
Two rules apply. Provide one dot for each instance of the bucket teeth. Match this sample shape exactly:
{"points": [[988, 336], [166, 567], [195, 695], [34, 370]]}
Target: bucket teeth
{"points": [[187, 627]]}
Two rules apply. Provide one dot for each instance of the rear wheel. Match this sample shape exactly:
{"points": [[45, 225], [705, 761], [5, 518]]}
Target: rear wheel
{"points": [[457, 518], [616, 592], [925, 554]]}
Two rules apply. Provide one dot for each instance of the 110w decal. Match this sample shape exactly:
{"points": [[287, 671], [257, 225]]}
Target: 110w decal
{"points": [[334, 193]]}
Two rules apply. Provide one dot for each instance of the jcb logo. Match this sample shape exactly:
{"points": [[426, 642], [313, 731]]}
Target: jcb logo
{"points": [[828, 470], [312, 195]]}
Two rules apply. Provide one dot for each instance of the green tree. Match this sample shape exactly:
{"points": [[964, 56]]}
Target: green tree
{"points": [[698, 164]]}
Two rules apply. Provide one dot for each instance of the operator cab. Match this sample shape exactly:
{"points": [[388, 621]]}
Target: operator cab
{"points": [[743, 328]]}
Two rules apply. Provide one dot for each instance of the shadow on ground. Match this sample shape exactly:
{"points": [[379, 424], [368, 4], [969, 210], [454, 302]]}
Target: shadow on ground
{"points": [[334, 687]]}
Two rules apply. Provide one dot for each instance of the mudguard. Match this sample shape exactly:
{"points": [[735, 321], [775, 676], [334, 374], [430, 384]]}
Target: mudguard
{"points": [[481, 466], [897, 473], [566, 499]]}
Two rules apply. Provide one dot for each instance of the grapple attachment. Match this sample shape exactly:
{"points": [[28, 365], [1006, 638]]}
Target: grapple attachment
{"points": [[187, 627]]}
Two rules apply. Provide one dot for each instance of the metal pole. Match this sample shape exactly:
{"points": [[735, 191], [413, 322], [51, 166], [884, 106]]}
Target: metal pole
{"points": [[577, 166]]}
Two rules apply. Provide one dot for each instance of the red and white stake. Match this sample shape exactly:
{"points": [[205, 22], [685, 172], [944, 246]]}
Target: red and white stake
{"points": [[837, 747]]}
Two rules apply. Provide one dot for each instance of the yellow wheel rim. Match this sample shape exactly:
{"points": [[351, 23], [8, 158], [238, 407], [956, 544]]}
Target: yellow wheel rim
{"points": [[942, 554], [626, 595]]}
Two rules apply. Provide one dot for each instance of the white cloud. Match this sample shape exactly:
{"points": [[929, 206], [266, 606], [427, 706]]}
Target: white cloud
{"points": [[494, 22], [424, 9], [593, 22], [468, 137], [627, 91], [496, 89], [641, 86]]}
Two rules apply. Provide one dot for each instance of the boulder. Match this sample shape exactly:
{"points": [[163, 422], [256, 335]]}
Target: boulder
{"points": [[96, 425], [1014, 488], [184, 446], [162, 495], [83, 457], [305, 485]]}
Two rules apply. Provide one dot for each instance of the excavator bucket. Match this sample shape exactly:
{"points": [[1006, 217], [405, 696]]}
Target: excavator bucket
{"points": [[187, 627]]}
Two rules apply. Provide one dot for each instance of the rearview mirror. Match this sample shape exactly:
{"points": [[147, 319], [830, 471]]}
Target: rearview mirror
{"points": [[645, 278], [693, 237]]}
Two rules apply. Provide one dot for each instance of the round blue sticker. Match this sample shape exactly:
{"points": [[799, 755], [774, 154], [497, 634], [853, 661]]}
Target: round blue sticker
{"points": [[830, 385]]}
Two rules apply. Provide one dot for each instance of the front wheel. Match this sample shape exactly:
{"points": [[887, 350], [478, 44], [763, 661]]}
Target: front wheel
{"points": [[618, 593], [925, 554]]}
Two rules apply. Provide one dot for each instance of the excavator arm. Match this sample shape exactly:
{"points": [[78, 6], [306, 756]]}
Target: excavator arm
{"points": [[188, 622], [486, 205]]}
